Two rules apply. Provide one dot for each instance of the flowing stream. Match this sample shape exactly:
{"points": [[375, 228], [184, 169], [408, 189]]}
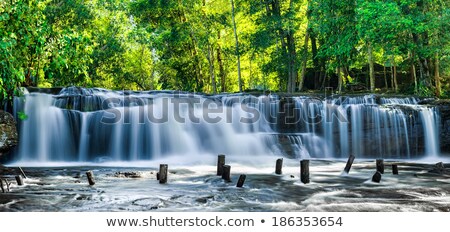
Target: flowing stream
{"points": [[97, 125], [117, 132]]}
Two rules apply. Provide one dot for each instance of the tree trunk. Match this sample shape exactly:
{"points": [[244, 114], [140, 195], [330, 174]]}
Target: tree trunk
{"points": [[413, 73], [211, 68], [304, 60], [394, 75], [221, 69], [293, 70], [198, 63], [421, 73], [237, 47], [371, 69], [385, 77], [141, 70], [317, 74], [250, 78], [339, 74], [437, 80], [276, 13], [193, 48]]}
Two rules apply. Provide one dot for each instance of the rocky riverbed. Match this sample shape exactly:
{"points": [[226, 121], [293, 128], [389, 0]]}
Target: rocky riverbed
{"points": [[195, 187], [8, 132]]}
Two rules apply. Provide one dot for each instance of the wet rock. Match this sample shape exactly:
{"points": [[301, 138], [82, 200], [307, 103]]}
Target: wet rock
{"points": [[204, 200], [376, 177], [128, 174], [439, 168], [8, 132], [444, 131], [443, 105]]}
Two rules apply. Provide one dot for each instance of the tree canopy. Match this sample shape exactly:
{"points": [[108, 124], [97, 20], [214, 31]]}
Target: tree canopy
{"points": [[216, 46]]}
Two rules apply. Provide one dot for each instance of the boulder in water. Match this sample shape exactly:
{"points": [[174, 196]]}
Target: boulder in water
{"points": [[8, 132], [128, 174], [439, 168]]}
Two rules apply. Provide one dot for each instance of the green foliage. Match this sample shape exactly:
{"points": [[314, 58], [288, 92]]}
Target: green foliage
{"points": [[23, 31], [190, 45], [22, 116]]}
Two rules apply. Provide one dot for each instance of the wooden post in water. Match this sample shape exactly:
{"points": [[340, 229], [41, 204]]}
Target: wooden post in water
{"points": [[220, 163], [395, 169], [22, 173], [19, 180], [90, 176], [304, 171], [1, 185], [163, 169], [350, 160], [226, 174], [380, 166], [376, 177], [4, 188], [157, 176], [279, 166], [241, 181], [7, 184]]}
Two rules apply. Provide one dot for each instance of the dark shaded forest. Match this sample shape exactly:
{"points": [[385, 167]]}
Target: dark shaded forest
{"points": [[214, 46]]}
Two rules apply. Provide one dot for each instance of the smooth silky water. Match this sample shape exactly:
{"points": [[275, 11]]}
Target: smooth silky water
{"points": [[114, 131]]}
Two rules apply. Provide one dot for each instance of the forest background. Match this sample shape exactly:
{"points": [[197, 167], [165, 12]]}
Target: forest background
{"points": [[215, 46]]}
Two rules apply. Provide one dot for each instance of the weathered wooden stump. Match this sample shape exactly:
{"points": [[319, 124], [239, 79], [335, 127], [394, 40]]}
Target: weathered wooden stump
{"points": [[90, 177], [7, 184], [380, 166], [19, 180], [279, 166], [220, 163], [226, 174], [22, 173], [1, 186], [157, 176], [241, 181], [163, 169], [4, 185], [349, 164], [395, 169], [304, 171], [376, 177]]}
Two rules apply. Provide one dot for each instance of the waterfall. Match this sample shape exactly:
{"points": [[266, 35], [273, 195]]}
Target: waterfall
{"points": [[430, 121], [85, 125], [368, 126]]}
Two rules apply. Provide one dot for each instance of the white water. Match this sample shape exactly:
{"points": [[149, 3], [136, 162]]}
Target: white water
{"points": [[59, 129], [197, 188], [431, 129]]}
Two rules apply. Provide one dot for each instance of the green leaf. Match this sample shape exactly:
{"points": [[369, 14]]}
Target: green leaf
{"points": [[22, 116]]}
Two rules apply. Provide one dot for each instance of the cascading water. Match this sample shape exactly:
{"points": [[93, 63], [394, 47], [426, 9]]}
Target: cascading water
{"points": [[431, 130], [368, 126], [101, 125]]}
